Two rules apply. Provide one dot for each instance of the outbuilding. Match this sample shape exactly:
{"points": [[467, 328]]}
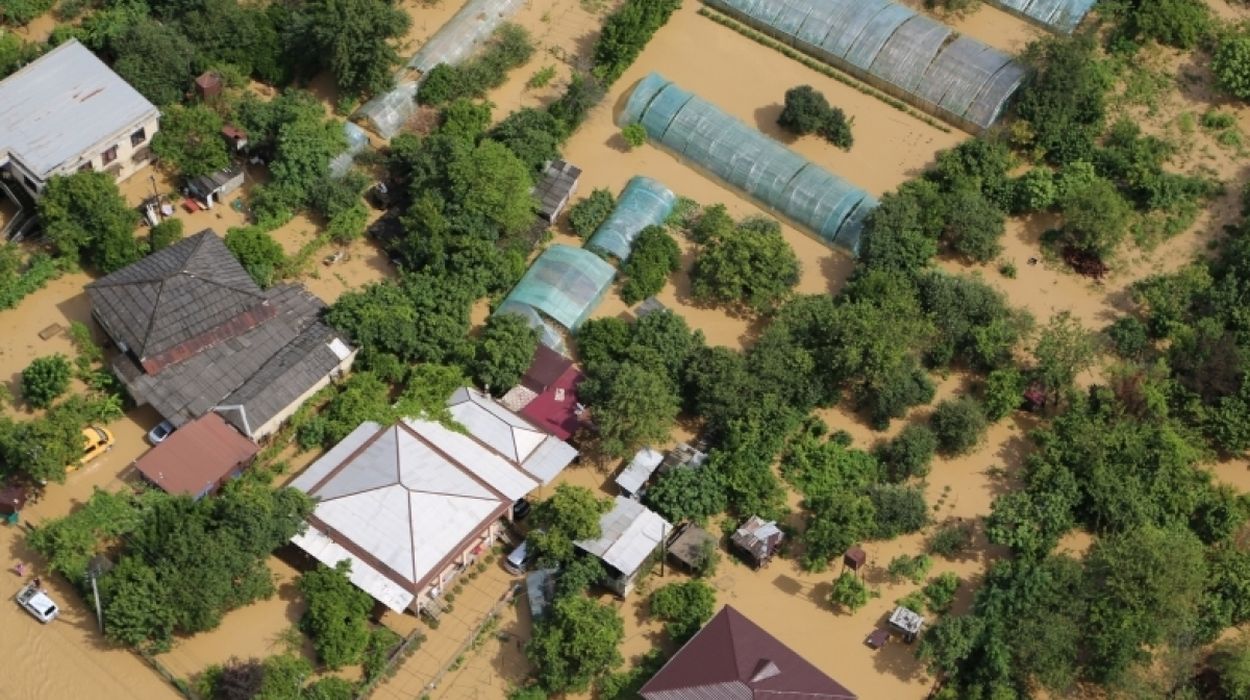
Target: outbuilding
{"points": [[198, 458], [556, 186], [629, 534], [213, 187], [759, 540]]}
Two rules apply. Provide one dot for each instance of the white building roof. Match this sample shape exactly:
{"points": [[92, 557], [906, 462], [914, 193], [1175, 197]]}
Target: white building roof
{"points": [[398, 505], [489, 467], [639, 469], [630, 533], [519, 441], [62, 105]]}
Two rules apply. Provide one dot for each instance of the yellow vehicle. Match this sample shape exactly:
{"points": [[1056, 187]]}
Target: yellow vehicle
{"points": [[95, 442]]}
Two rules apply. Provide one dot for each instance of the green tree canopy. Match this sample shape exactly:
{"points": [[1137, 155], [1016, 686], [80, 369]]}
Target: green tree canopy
{"points": [[632, 404], [190, 140], [575, 644], [156, 59], [351, 39], [750, 267], [504, 351], [570, 514], [684, 607], [84, 215], [44, 379], [337, 617]]}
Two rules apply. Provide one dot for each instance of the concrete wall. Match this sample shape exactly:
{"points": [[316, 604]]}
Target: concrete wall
{"points": [[271, 426], [483, 542], [130, 157]]}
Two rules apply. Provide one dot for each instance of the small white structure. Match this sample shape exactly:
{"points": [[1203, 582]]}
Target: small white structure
{"points": [[638, 472], [907, 622], [68, 112], [630, 534], [212, 188]]}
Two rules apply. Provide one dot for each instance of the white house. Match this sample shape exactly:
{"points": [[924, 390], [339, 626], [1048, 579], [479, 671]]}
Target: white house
{"points": [[68, 112]]}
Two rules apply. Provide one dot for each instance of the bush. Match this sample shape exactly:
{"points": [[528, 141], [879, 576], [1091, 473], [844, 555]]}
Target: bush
{"points": [[899, 510], [337, 615], [908, 454], [958, 424], [655, 256], [165, 234], [1035, 190], [849, 592], [1129, 336], [940, 592], [951, 540], [912, 568], [1231, 64], [588, 214], [635, 135], [20, 12], [684, 607], [1095, 217], [257, 251], [625, 33], [44, 379], [1179, 23], [510, 47], [807, 111]]}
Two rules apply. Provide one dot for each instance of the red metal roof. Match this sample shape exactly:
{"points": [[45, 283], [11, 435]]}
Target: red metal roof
{"points": [[732, 657], [554, 410], [197, 456]]}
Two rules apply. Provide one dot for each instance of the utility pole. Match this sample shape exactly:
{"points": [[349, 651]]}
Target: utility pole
{"points": [[95, 593], [663, 547]]}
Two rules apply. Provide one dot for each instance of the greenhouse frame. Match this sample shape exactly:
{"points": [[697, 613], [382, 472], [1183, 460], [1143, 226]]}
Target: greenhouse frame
{"points": [[455, 41], [644, 202], [895, 49], [547, 334], [830, 207], [1056, 15], [564, 283]]}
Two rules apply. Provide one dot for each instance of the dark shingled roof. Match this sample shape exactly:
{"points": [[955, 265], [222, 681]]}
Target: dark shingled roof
{"points": [[554, 187], [190, 388], [284, 378], [179, 301], [733, 658]]}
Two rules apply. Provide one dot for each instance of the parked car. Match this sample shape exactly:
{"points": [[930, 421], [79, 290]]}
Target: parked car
{"points": [[518, 561], [96, 441], [158, 434], [520, 510], [37, 603]]}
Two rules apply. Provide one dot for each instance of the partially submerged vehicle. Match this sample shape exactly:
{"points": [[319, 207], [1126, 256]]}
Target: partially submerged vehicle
{"points": [[36, 602]]}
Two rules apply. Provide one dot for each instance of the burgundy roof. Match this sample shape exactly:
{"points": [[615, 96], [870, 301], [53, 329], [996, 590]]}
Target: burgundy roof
{"points": [[732, 658], [557, 416], [546, 368], [197, 456]]}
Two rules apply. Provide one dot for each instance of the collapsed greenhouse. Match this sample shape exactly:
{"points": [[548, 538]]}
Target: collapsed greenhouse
{"points": [[644, 202], [830, 207], [564, 284], [895, 49], [454, 42], [1058, 15]]}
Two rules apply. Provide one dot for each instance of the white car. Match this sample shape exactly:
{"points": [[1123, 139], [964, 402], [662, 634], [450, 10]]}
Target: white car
{"points": [[37, 603], [158, 434]]}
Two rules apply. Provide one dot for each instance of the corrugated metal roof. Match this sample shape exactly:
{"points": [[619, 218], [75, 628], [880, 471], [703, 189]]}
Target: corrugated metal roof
{"points": [[639, 469], [513, 437], [630, 533], [196, 457], [368, 579], [66, 102], [491, 468]]}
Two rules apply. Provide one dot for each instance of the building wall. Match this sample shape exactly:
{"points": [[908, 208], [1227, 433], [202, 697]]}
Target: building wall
{"points": [[130, 158], [271, 426], [482, 543]]}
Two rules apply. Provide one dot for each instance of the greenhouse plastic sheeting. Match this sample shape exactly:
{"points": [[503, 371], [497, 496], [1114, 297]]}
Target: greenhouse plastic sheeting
{"points": [[644, 202], [547, 334], [356, 142], [1060, 15], [768, 171], [454, 42], [565, 283], [896, 49]]}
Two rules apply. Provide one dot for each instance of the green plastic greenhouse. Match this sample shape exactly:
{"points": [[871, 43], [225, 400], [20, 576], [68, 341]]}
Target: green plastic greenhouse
{"points": [[1058, 15], [547, 334], [644, 202], [564, 283], [451, 44], [832, 208], [896, 49]]}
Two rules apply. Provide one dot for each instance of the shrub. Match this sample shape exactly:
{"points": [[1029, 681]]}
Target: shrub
{"points": [[684, 607], [958, 424], [44, 379], [1129, 336], [849, 592], [1231, 64], [912, 568], [655, 256], [1035, 190], [899, 510], [951, 540], [807, 111], [909, 453], [165, 234], [1004, 392], [258, 252], [337, 615], [635, 135], [940, 592], [588, 214], [510, 47], [1179, 23]]}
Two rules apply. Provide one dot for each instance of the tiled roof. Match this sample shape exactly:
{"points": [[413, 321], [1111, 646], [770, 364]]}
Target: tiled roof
{"points": [[178, 301], [733, 658], [196, 456]]}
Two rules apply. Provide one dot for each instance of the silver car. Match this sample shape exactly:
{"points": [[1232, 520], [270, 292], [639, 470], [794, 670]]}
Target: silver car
{"points": [[37, 603], [158, 434]]}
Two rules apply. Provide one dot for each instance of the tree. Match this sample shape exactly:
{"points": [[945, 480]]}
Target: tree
{"points": [[807, 111], [958, 425], [351, 39], [156, 59], [586, 215], [1004, 393], [424, 319], [751, 267], [1179, 23], [44, 379], [908, 454], [974, 225], [849, 593], [257, 251], [504, 351], [951, 540], [1231, 64], [1231, 663], [625, 32], [1063, 350], [655, 256], [571, 513], [190, 140], [165, 234], [492, 183], [465, 119], [575, 644], [337, 617], [85, 215], [897, 509], [1095, 217], [21, 12], [940, 592], [684, 606], [1064, 102], [534, 135], [635, 135], [632, 406], [687, 494]]}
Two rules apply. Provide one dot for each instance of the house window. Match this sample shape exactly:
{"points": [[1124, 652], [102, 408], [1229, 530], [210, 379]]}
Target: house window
{"points": [[86, 167], [109, 155], [138, 137]]}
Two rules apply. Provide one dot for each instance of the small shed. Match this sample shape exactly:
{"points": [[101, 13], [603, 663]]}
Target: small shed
{"points": [[690, 546], [629, 534], [634, 477], [211, 188], [906, 622], [683, 456], [198, 458], [648, 306], [235, 137], [556, 186], [208, 85], [759, 540]]}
